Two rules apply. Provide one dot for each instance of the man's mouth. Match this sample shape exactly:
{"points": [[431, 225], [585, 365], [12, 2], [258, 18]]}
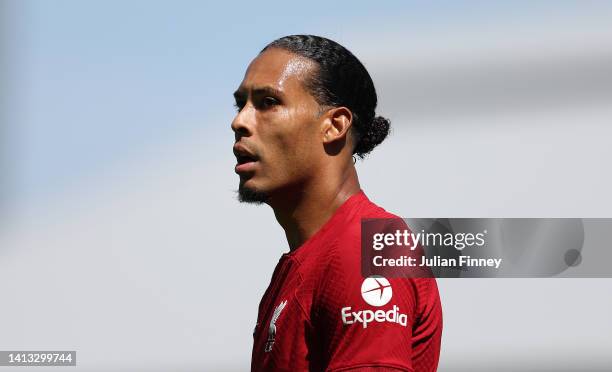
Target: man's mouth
{"points": [[243, 159], [245, 164], [246, 161]]}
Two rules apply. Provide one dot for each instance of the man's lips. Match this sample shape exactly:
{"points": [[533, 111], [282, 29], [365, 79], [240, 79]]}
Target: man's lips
{"points": [[246, 160], [245, 167]]}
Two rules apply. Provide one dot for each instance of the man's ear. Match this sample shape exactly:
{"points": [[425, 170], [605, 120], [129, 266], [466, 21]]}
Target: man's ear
{"points": [[336, 125]]}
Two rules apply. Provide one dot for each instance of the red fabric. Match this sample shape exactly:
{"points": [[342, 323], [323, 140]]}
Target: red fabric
{"points": [[304, 321]]}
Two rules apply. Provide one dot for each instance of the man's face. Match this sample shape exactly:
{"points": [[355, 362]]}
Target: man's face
{"points": [[277, 128]]}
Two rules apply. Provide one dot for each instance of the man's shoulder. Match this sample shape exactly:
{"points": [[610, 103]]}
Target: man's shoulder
{"points": [[341, 253], [348, 239], [339, 250]]}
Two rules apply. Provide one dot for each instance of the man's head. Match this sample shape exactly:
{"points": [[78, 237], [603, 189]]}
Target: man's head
{"points": [[305, 106]]}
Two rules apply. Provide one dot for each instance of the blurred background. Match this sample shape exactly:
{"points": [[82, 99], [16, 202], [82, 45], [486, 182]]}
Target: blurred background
{"points": [[120, 233]]}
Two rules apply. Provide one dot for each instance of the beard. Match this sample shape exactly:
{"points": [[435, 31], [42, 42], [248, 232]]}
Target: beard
{"points": [[250, 195]]}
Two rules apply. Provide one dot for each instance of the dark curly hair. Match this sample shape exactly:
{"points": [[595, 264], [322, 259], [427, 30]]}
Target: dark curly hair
{"points": [[340, 80]]}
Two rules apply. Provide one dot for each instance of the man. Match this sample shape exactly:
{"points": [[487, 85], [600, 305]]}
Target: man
{"points": [[306, 107]]}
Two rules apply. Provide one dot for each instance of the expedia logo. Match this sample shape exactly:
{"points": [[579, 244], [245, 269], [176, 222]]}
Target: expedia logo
{"points": [[375, 291]]}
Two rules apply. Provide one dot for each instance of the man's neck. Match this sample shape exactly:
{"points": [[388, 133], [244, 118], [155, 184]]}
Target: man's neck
{"points": [[302, 212]]}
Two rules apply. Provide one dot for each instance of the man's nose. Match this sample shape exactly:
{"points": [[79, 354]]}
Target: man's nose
{"points": [[243, 123]]}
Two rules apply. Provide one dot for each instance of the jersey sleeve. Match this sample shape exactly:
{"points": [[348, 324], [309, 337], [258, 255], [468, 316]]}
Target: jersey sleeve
{"points": [[375, 323]]}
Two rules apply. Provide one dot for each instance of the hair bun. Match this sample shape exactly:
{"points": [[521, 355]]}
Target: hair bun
{"points": [[374, 134]]}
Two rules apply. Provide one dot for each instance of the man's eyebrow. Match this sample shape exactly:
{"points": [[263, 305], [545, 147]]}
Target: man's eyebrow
{"points": [[240, 93], [267, 90]]}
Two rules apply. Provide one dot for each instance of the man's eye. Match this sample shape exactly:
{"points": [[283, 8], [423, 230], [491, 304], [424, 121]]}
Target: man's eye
{"points": [[269, 101]]}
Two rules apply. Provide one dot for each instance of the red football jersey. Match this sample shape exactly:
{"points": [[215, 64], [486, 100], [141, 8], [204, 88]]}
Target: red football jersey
{"points": [[320, 314]]}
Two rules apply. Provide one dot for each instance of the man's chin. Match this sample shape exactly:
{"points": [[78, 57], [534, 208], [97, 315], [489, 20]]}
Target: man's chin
{"points": [[251, 195]]}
